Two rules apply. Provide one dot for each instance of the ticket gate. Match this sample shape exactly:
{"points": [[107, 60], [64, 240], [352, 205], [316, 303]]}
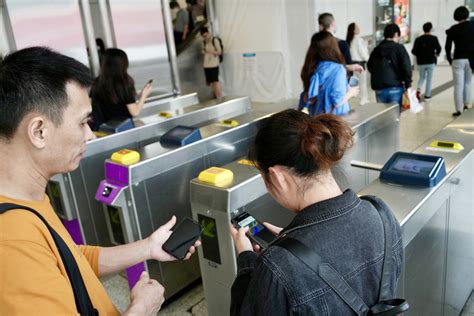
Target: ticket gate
{"points": [[437, 226], [72, 194], [141, 197], [215, 206], [162, 109]]}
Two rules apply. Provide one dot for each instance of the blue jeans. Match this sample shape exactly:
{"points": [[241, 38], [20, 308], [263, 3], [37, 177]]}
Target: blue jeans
{"points": [[390, 95], [462, 75], [426, 71]]}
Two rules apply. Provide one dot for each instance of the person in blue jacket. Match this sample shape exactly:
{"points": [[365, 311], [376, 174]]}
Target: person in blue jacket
{"points": [[324, 78]]}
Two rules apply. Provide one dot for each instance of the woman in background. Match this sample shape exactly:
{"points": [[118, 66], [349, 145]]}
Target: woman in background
{"points": [[113, 92], [325, 78], [360, 55]]}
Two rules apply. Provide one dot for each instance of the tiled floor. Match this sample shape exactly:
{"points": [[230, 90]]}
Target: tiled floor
{"points": [[415, 129]]}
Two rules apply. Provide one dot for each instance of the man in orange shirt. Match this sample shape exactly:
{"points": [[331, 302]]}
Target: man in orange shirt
{"points": [[44, 113]]}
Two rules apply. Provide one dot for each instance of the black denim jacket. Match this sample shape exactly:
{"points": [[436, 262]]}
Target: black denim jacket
{"points": [[347, 233]]}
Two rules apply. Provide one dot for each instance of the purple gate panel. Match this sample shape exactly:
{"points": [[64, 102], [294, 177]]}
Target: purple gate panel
{"points": [[108, 192], [115, 172], [74, 230], [133, 273]]}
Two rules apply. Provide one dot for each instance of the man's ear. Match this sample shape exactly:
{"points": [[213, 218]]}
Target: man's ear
{"points": [[37, 129]]}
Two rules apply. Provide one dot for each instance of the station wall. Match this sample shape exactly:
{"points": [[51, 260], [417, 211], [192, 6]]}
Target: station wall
{"points": [[275, 35]]}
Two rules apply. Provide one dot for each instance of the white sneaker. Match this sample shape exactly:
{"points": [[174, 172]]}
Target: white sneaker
{"points": [[362, 102]]}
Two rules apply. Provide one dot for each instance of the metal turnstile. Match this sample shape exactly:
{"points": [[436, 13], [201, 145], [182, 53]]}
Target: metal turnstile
{"points": [[437, 228], [73, 193], [162, 109], [214, 206], [141, 197]]}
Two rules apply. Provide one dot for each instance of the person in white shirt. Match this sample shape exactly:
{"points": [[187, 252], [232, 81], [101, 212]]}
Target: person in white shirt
{"points": [[211, 49], [360, 55]]}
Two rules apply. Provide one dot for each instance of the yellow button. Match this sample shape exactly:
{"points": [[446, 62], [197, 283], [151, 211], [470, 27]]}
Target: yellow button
{"points": [[126, 157], [441, 144], [231, 123], [165, 114], [216, 176], [246, 162], [99, 134]]}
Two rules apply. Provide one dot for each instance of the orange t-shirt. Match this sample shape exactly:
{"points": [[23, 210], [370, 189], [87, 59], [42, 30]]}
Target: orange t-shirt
{"points": [[33, 279]]}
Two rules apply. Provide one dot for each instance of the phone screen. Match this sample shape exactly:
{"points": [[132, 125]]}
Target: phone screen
{"points": [[257, 232], [184, 236]]}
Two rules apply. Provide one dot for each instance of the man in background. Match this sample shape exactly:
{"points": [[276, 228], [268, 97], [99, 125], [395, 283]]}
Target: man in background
{"points": [[181, 23], [328, 23], [390, 67], [426, 49], [211, 49]]}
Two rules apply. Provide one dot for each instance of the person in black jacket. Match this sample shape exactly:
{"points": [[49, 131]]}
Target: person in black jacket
{"points": [[390, 67], [294, 153], [426, 49], [462, 34]]}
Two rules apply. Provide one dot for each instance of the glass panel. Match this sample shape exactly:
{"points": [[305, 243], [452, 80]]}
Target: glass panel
{"points": [[54, 23], [209, 239], [139, 31]]}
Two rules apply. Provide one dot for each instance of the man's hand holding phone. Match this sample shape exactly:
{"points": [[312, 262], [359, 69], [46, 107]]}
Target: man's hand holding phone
{"points": [[160, 237]]}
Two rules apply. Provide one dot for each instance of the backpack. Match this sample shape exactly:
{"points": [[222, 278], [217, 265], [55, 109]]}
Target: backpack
{"points": [[386, 306], [221, 56]]}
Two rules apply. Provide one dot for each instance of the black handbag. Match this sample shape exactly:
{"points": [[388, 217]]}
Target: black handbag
{"points": [[386, 305], [83, 302]]}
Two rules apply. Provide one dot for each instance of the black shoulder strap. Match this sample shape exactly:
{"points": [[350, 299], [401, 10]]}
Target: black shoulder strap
{"points": [[387, 268], [331, 277], [314, 262], [83, 302]]}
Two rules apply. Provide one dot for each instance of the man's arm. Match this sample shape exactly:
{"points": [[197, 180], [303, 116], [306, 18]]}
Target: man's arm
{"points": [[346, 52], [447, 47], [405, 67], [438, 47], [118, 258]]}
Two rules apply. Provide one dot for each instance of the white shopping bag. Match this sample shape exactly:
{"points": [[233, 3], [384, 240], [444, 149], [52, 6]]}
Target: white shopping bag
{"points": [[415, 105]]}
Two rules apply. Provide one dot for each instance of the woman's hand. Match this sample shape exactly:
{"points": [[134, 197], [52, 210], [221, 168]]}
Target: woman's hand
{"points": [[352, 92], [275, 230], [146, 91], [242, 242]]}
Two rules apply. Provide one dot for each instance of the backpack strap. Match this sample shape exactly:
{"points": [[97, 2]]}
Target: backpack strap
{"points": [[332, 278], [83, 302], [386, 305]]}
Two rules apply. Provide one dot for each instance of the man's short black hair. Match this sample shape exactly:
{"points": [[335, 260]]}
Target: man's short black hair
{"points": [[174, 4], [325, 19], [390, 30], [427, 27], [34, 80], [204, 30], [461, 13]]}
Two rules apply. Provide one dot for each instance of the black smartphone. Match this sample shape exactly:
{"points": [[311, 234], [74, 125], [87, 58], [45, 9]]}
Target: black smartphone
{"points": [[258, 233], [150, 81], [184, 236]]}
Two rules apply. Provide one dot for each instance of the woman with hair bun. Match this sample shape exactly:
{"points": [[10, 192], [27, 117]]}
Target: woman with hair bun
{"points": [[294, 153]]}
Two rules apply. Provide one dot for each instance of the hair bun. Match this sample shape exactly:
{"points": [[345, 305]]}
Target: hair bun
{"points": [[325, 139]]}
